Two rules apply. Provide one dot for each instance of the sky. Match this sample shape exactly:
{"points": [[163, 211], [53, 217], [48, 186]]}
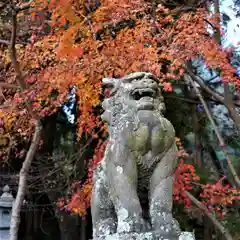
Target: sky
{"points": [[233, 27]]}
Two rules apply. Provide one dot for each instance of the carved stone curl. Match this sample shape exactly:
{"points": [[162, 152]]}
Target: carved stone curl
{"points": [[132, 186]]}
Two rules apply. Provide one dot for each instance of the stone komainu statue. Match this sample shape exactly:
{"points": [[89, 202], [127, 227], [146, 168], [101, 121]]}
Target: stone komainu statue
{"points": [[132, 186]]}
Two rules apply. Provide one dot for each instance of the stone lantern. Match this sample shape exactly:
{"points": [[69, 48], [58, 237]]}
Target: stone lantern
{"points": [[6, 203]]}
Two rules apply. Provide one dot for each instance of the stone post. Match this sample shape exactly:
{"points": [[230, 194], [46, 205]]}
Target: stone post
{"points": [[6, 203]]}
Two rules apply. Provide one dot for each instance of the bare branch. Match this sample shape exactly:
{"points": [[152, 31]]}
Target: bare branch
{"points": [[217, 33], [232, 170], [23, 6], [4, 42], [154, 5], [214, 28], [214, 221], [182, 9], [5, 106], [3, 5], [8, 85], [226, 101], [203, 86], [15, 219], [13, 56], [12, 51], [228, 96], [183, 99]]}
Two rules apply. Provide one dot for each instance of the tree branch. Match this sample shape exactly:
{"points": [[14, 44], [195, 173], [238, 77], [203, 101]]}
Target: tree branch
{"points": [[8, 85], [183, 99], [4, 42], [226, 101], [217, 33], [232, 170], [214, 221], [13, 56], [214, 28], [15, 219], [24, 6], [203, 86]]}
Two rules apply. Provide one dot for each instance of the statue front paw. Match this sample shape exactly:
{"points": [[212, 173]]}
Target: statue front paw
{"points": [[131, 224]]}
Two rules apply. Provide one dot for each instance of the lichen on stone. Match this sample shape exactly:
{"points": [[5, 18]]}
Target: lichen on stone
{"points": [[138, 164]]}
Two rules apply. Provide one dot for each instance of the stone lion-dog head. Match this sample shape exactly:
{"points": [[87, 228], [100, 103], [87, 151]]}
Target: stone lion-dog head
{"points": [[128, 95]]}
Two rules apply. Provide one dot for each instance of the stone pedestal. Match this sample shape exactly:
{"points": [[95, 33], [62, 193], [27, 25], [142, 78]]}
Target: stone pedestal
{"points": [[187, 236], [148, 236]]}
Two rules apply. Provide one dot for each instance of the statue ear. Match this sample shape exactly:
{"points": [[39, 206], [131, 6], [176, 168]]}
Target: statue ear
{"points": [[110, 86]]}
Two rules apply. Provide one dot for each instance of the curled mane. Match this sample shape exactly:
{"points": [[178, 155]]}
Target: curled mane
{"points": [[117, 109]]}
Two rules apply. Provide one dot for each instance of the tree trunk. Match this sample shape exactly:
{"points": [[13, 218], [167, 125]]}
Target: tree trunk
{"points": [[15, 219]]}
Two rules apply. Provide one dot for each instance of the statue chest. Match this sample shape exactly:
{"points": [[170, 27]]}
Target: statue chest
{"points": [[151, 139]]}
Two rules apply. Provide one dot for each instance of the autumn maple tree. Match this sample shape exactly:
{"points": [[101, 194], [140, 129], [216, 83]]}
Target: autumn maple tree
{"points": [[77, 43]]}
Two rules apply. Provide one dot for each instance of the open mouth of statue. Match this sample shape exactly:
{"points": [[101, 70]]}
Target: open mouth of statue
{"points": [[144, 94]]}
